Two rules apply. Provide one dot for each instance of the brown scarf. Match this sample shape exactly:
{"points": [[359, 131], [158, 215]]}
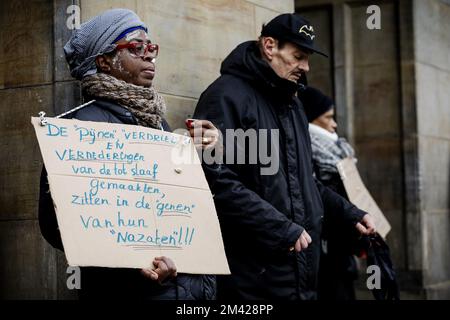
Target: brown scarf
{"points": [[145, 104]]}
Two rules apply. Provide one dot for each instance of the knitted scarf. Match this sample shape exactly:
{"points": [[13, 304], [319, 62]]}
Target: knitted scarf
{"points": [[147, 106], [328, 150]]}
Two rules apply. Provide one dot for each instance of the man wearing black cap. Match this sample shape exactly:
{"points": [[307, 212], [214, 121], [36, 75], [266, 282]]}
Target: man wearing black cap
{"points": [[271, 224]]}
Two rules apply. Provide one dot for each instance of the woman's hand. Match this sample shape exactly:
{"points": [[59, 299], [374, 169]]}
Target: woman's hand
{"points": [[164, 268], [204, 133]]}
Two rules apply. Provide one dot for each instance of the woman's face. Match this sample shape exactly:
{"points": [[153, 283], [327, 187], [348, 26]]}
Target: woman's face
{"points": [[128, 66], [326, 121]]}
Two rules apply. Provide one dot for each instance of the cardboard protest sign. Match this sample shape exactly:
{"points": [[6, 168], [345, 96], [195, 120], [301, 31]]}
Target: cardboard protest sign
{"points": [[126, 194], [360, 196]]}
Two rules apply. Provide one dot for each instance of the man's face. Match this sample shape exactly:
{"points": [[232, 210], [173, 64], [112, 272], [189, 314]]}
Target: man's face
{"points": [[326, 121], [130, 67], [289, 62]]}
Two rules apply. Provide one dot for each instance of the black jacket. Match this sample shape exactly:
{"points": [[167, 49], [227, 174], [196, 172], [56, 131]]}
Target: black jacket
{"points": [[102, 283], [262, 216], [338, 270]]}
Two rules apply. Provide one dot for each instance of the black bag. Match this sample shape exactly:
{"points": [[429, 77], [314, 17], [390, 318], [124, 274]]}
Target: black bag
{"points": [[378, 254]]}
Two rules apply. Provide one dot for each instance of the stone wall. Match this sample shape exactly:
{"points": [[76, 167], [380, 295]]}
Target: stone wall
{"points": [[432, 63], [26, 87]]}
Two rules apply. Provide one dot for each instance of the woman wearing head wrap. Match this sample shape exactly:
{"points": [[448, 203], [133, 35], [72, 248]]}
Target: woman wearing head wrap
{"points": [[337, 266], [115, 60]]}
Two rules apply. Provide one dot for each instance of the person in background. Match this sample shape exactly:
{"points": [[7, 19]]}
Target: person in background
{"points": [[114, 58], [338, 269]]}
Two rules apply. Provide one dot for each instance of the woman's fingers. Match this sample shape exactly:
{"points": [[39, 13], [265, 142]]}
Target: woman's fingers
{"points": [[203, 132], [171, 268], [164, 268], [149, 273], [161, 269], [206, 124], [199, 123]]}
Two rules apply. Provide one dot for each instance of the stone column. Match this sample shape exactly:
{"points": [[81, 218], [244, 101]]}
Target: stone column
{"points": [[431, 20]]}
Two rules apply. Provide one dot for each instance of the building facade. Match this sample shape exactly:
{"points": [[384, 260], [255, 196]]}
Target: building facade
{"points": [[390, 86]]}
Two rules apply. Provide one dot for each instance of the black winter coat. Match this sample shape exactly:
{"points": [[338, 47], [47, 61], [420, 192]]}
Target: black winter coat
{"points": [[118, 283], [262, 216], [338, 270]]}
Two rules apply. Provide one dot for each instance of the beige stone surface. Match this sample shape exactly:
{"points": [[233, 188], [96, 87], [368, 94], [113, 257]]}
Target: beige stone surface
{"points": [[436, 238], [263, 16], [178, 110], [20, 165], [282, 6], [432, 36], [26, 43], [194, 37], [432, 67], [434, 166], [91, 8], [28, 263], [433, 100]]}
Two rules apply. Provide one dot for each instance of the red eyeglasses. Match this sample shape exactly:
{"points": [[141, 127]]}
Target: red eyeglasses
{"points": [[140, 49]]}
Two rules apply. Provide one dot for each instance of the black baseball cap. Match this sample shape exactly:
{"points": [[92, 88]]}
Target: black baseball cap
{"points": [[293, 28]]}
